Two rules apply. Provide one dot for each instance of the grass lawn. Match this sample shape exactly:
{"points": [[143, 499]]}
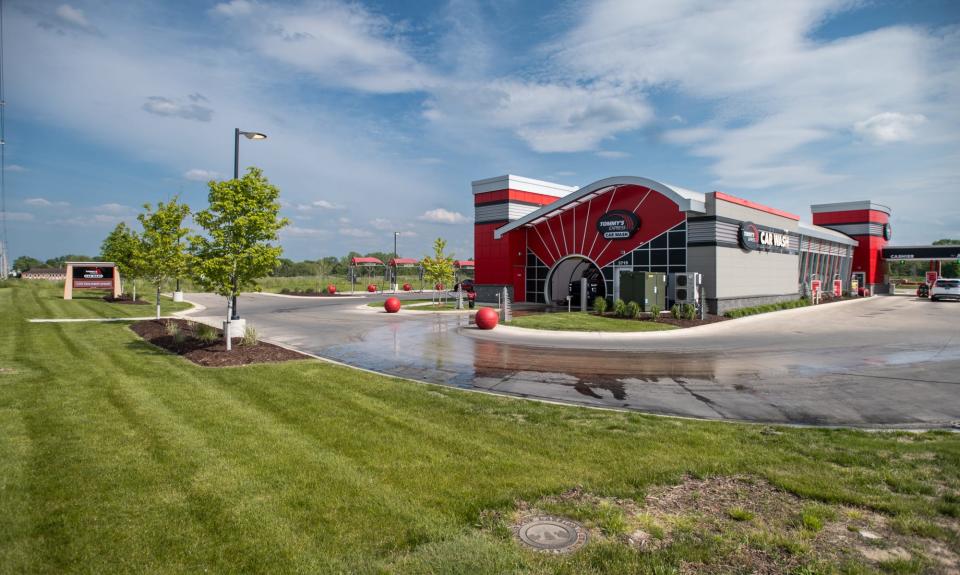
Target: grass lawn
{"points": [[49, 302], [580, 321], [116, 457]]}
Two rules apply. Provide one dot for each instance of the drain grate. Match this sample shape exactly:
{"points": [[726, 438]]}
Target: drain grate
{"points": [[551, 534]]}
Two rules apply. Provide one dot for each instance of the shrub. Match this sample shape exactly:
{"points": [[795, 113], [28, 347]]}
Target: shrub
{"points": [[285, 291], [600, 305], [655, 312], [753, 310], [171, 327], [249, 336], [689, 311], [206, 333], [619, 308], [173, 330], [633, 310], [676, 311], [739, 514]]}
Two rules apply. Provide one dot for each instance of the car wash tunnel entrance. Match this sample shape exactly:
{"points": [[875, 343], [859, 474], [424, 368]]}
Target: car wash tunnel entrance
{"points": [[565, 279]]}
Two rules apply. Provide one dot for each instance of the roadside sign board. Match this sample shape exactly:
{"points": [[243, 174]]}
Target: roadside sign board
{"points": [[815, 286], [837, 288], [932, 278], [93, 277]]}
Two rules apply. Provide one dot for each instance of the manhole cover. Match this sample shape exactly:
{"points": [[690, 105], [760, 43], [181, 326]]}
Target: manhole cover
{"points": [[551, 534]]}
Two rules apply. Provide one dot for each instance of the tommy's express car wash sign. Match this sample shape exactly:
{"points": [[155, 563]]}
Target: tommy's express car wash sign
{"points": [[92, 277], [754, 237], [618, 225]]}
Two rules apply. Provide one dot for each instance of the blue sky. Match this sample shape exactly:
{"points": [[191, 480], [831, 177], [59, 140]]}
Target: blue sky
{"points": [[379, 114]]}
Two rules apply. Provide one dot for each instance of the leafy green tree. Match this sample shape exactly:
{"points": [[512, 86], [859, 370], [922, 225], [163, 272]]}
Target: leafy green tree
{"points": [[23, 263], [123, 247], [438, 268], [61, 261], [949, 269], [241, 221], [162, 250]]}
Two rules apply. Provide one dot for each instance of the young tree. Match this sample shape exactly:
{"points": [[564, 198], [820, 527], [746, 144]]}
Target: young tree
{"points": [[438, 268], [123, 247], [242, 220], [163, 254]]}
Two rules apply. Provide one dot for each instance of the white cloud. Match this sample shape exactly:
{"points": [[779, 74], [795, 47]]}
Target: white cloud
{"points": [[66, 19], [889, 127], [409, 234], [233, 8], [382, 224], [20, 217], [442, 216], [298, 231], [548, 116], [45, 203], [777, 96], [340, 44], [15, 168], [200, 175], [612, 154], [325, 205], [162, 106], [355, 232]]}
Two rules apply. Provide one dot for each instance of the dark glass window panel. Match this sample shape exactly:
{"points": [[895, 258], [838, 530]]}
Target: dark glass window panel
{"points": [[659, 242], [641, 258], [678, 239], [678, 257], [658, 257]]}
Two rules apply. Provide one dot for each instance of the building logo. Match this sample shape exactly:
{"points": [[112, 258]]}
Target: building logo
{"points": [[887, 232], [752, 237], [618, 225]]}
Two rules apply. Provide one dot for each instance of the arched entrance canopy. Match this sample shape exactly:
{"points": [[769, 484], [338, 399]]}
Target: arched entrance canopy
{"points": [[686, 200]]}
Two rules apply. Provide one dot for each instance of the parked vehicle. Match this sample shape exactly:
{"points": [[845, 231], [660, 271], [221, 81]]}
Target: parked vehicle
{"points": [[945, 289], [467, 286], [923, 290]]}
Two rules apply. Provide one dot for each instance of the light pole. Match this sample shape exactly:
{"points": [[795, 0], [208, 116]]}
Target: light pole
{"points": [[395, 267], [237, 132]]}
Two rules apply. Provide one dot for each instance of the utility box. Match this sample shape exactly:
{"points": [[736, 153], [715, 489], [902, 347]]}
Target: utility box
{"points": [[645, 288]]}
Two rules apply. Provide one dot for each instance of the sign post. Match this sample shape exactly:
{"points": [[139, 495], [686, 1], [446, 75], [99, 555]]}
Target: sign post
{"points": [[932, 278], [815, 290]]}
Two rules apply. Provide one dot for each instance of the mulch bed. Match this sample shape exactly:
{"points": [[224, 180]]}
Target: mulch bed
{"points": [[125, 299], [210, 354], [311, 293], [708, 318]]}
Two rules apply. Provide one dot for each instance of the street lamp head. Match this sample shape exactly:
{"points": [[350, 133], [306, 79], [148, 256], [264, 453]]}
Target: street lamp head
{"points": [[254, 135]]}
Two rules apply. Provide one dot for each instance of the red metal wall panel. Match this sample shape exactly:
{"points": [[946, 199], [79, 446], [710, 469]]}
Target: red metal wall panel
{"points": [[575, 231], [850, 217]]}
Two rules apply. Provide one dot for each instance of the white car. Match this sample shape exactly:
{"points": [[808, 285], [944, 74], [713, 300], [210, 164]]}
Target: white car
{"points": [[945, 288]]}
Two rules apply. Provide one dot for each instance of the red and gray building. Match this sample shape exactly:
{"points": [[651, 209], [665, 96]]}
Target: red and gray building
{"points": [[536, 238]]}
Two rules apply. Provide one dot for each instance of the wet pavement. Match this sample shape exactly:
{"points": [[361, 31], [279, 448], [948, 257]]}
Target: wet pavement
{"points": [[887, 361]]}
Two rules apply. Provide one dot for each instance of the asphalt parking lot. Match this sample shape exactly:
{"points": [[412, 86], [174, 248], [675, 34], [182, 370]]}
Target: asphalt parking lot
{"points": [[881, 362]]}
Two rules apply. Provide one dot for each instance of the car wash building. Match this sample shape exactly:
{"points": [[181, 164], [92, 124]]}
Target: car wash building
{"points": [[538, 239]]}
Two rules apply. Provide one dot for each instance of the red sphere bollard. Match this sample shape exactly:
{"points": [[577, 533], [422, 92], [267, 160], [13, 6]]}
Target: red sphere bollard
{"points": [[407, 287], [331, 289], [392, 305], [486, 318], [371, 288], [438, 287]]}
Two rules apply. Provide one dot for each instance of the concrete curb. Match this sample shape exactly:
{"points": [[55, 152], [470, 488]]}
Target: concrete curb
{"points": [[596, 339]]}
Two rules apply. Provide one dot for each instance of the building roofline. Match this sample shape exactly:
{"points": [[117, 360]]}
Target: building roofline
{"points": [[849, 206], [521, 184], [686, 200]]}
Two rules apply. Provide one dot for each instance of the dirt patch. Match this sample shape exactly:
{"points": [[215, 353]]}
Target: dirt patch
{"points": [[125, 299], [310, 293], [752, 526], [182, 340]]}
